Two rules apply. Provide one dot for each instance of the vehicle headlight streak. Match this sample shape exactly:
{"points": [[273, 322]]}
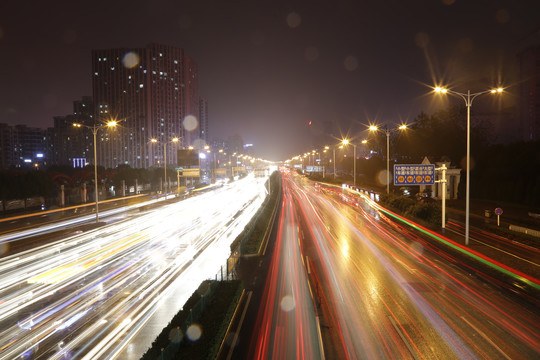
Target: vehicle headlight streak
{"points": [[388, 282], [118, 272], [531, 281]]}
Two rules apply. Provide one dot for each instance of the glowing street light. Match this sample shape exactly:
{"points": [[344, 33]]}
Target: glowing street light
{"points": [[155, 141], [346, 142], [95, 128], [387, 131], [468, 98]]}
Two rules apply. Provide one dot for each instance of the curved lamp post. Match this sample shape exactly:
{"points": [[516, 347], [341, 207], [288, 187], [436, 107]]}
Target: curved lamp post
{"points": [[387, 131], [155, 141], [346, 142], [468, 98], [95, 128]]}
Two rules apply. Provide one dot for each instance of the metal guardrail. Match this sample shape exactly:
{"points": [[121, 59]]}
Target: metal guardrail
{"points": [[524, 230]]}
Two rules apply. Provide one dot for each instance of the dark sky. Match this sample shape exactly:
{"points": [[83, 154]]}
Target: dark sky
{"points": [[270, 67]]}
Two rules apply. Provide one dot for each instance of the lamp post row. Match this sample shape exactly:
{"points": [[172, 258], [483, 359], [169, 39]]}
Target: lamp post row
{"points": [[95, 128], [468, 99]]}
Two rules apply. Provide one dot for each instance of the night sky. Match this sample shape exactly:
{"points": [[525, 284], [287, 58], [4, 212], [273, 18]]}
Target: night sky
{"points": [[268, 68]]}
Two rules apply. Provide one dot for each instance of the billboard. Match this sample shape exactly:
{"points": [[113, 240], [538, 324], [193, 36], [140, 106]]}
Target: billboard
{"points": [[415, 174], [311, 169], [187, 158], [191, 173]]}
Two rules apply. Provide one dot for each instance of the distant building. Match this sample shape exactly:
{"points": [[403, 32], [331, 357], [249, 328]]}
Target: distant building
{"points": [[453, 177], [236, 144], [22, 146], [154, 89], [529, 94], [68, 145], [203, 119]]}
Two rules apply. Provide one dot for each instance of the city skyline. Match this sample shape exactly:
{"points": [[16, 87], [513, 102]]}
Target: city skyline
{"points": [[270, 70]]}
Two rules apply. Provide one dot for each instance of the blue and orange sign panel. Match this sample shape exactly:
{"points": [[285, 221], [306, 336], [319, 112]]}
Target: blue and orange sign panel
{"points": [[414, 174]]}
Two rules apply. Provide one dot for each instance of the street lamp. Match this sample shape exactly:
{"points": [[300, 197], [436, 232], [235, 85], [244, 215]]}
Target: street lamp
{"points": [[155, 141], [468, 98], [387, 131], [95, 128], [346, 142]]}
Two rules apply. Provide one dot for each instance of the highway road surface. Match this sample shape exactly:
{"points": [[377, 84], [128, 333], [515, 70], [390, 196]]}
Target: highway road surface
{"points": [[382, 291], [106, 293]]}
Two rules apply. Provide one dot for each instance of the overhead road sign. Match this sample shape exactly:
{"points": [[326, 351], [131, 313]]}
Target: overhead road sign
{"points": [[414, 174], [190, 173], [311, 169]]}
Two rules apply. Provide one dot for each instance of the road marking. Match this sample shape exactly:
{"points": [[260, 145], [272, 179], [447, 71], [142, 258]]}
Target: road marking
{"points": [[402, 336], [496, 248], [235, 339], [321, 348], [486, 338]]}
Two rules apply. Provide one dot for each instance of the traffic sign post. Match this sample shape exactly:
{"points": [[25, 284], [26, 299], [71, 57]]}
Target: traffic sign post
{"points": [[414, 174], [443, 205], [498, 212]]}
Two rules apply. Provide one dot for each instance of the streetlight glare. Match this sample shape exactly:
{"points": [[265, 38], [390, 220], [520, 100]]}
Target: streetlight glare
{"points": [[402, 127], [345, 141], [439, 89], [468, 98], [153, 140], [175, 139], [373, 128], [112, 123]]}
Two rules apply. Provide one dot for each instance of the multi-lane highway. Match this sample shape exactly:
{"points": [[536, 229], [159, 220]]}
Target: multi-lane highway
{"points": [[90, 295], [383, 290]]}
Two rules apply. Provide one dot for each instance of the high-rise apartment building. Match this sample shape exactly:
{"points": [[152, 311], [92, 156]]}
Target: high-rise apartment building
{"points": [[203, 119], [152, 90], [529, 93], [22, 146], [69, 145]]}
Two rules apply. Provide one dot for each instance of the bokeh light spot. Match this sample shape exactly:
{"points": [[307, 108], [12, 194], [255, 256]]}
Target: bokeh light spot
{"points": [[312, 53], [175, 335], [230, 339], [381, 177], [199, 144], [448, 2], [194, 332], [417, 248], [190, 123], [463, 162], [421, 40], [130, 59], [287, 303], [4, 247], [502, 16], [294, 20], [351, 63]]}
